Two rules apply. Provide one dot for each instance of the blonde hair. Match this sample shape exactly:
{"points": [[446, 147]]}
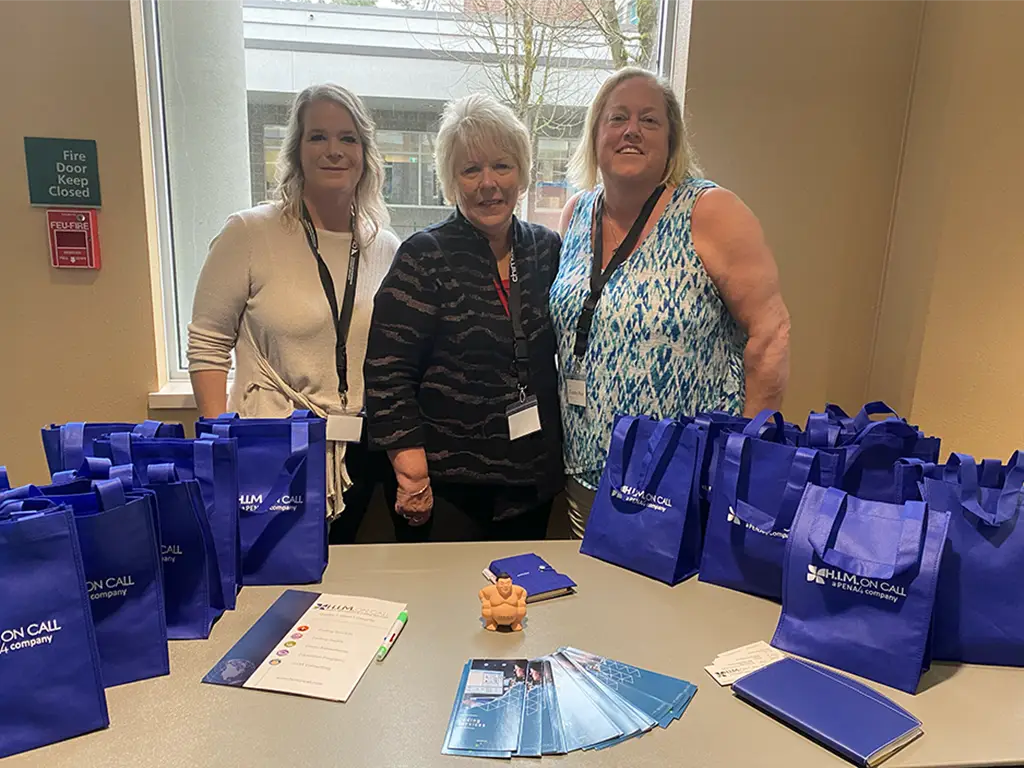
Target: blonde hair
{"points": [[475, 122], [370, 209], [682, 162]]}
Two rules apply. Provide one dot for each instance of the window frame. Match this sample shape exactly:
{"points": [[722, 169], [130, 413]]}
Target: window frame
{"points": [[173, 345], [175, 392]]}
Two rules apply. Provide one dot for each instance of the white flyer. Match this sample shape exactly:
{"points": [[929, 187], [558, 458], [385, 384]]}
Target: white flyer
{"points": [[327, 649]]}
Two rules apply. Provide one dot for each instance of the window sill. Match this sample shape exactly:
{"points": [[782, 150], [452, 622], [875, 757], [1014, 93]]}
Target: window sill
{"points": [[174, 395]]}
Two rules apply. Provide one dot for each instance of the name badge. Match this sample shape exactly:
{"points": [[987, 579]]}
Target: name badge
{"points": [[523, 418], [577, 392], [343, 428]]}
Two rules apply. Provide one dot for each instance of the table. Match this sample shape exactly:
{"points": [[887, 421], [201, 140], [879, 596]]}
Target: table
{"points": [[397, 717]]}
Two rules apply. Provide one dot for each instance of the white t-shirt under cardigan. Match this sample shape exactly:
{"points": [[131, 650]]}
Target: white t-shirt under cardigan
{"points": [[259, 294]]}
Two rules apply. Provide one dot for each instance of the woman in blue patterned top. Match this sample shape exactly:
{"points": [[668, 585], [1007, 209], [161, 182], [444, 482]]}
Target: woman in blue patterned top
{"points": [[667, 299]]}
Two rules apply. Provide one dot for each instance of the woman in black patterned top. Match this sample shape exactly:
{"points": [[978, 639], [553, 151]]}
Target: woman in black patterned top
{"points": [[466, 406]]}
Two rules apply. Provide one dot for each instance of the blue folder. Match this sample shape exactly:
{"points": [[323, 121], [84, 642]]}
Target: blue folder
{"points": [[838, 712], [533, 574]]}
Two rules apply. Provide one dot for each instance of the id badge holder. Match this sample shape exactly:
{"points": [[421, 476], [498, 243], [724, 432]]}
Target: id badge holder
{"points": [[576, 384], [344, 427], [523, 417]]}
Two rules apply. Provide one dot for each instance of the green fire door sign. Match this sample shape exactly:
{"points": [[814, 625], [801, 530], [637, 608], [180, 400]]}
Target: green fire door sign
{"points": [[62, 172]]}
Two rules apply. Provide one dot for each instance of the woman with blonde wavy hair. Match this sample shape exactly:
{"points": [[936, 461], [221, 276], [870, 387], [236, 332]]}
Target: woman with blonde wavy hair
{"points": [[288, 286], [667, 299]]}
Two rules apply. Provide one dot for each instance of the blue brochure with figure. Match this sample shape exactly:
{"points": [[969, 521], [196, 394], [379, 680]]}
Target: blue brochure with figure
{"points": [[488, 714]]}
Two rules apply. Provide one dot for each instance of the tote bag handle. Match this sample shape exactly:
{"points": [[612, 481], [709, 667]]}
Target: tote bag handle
{"points": [[821, 431], [758, 426], [736, 472], [875, 408], [828, 522], [961, 468]]}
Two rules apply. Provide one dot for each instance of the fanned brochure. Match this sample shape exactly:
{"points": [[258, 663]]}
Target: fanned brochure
{"points": [[559, 703]]}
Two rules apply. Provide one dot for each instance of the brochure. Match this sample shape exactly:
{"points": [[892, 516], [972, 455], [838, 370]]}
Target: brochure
{"points": [[489, 712], [308, 644]]}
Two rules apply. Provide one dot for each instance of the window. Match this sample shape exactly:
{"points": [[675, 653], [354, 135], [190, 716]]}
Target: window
{"points": [[222, 75]]}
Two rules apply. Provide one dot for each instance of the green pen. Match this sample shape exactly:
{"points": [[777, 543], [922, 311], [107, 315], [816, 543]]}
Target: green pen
{"points": [[396, 630]]}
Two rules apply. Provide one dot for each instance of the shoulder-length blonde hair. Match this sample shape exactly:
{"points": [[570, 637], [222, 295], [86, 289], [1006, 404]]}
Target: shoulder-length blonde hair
{"points": [[682, 162], [370, 209]]}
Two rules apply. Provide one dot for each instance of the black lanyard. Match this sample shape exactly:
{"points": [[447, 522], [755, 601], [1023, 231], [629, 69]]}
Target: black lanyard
{"points": [[599, 278], [515, 313], [343, 319]]}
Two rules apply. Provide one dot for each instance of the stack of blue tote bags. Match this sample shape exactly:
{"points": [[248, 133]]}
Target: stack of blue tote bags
{"points": [[212, 462], [66, 445], [282, 482], [52, 688], [120, 551], [193, 600]]}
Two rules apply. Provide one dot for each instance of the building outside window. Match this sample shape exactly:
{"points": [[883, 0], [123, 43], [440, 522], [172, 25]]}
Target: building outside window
{"points": [[222, 75]]}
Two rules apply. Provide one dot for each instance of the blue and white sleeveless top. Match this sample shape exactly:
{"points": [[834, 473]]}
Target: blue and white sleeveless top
{"points": [[662, 344]]}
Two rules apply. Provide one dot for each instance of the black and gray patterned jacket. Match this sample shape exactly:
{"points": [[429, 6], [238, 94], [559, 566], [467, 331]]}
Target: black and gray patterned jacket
{"points": [[440, 367]]}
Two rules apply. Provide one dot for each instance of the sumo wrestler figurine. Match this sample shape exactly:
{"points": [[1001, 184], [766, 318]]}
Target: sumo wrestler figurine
{"points": [[503, 603]]}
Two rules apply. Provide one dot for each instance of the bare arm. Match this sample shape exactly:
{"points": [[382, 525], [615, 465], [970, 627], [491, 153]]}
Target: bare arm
{"points": [[410, 466], [570, 206], [210, 390], [729, 240]]}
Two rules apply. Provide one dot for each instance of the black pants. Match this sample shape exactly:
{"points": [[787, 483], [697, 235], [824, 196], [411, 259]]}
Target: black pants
{"points": [[465, 512], [366, 468]]}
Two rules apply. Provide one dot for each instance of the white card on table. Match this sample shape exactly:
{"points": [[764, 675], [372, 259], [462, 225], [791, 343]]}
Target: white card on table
{"points": [[730, 666], [342, 428], [577, 392], [523, 418]]}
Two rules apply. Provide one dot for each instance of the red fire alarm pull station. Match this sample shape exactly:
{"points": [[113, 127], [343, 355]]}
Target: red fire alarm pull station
{"points": [[74, 238]]}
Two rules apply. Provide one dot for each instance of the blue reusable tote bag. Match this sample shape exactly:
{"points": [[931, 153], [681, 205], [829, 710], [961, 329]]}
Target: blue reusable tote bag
{"points": [[282, 484], [121, 559], [714, 423], [644, 517], [213, 463], [842, 429], [868, 458], [859, 586], [50, 683], [754, 498], [66, 445], [192, 585], [979, 607]]}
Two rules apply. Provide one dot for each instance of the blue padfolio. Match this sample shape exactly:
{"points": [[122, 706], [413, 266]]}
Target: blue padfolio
{"points": [[50, 683], [979, 619], [859, 585], [282, 484], [121, 557], [754, 498], [645, 516], [210, 461], [67, 445]]}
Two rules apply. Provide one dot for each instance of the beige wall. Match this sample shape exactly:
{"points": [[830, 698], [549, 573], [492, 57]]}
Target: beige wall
{"points": [[950, 335], [75, 345], [799, 108]]}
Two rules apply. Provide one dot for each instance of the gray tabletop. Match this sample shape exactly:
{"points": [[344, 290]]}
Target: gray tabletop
{"points": [[973, 716]]}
